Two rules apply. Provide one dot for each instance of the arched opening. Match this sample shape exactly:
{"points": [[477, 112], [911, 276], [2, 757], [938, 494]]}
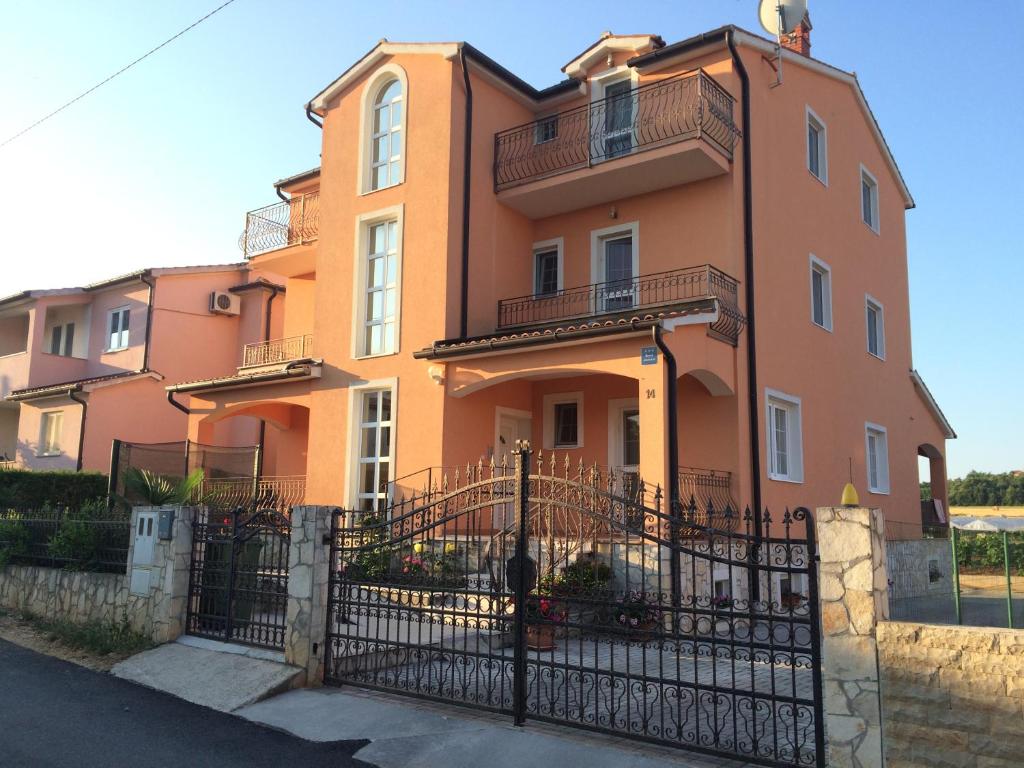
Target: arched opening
{"points": [[932, 476]]}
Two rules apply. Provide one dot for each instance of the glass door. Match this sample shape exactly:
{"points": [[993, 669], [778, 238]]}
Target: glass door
{"points": [[618, 119], [618, 290]]}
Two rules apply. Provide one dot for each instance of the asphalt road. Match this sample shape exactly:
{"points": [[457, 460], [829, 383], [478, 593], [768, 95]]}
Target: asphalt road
{"points": [[53, 713]]}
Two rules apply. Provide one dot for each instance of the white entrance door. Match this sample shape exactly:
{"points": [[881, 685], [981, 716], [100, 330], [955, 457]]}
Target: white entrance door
{"points": [[512, 425], [624, 444]]}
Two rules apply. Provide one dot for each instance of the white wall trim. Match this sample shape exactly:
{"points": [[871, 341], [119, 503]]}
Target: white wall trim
{"points": [[615, 408], [384, 73], [885, 488], [597, 238], [558, 243], [549, 419], [869, 301], [828, 309], [812, 116], [355, 390], [796, 474], [362, 225], [876, 200]]}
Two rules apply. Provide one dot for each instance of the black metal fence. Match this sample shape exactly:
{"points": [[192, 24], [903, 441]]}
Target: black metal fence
{"points": [[684, 106], [660, 289], [72, 539]]}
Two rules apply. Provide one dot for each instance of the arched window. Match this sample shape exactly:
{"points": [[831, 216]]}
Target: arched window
{"points": [[386, 136]]}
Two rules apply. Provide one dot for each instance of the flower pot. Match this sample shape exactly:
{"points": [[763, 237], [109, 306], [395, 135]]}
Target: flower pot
{"points": [[540, 637]]}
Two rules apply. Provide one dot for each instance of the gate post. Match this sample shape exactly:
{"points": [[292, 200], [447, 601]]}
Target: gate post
{"points": [[308, 570], [853, 586], [521, 503]]}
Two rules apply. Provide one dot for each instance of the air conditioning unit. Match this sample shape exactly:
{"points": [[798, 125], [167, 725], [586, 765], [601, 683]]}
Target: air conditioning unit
{"points": [[224, 303]]}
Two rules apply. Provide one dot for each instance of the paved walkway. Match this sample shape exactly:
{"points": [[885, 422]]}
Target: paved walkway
{"points": [[405, 733]]}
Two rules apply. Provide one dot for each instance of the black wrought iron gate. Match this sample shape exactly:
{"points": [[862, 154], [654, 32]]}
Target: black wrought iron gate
{"points": [[549, 595], [238, 581]]}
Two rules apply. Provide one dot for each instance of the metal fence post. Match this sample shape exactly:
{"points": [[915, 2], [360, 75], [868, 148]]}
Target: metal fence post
{"points": [[521, 503], [953, 536], [1009, 581], [115, 461]]}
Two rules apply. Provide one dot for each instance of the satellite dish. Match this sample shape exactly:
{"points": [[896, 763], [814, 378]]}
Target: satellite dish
{"points": [[780, 17]]}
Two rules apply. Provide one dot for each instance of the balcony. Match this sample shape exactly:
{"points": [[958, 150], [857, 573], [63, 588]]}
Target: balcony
{"points": [[658, 135], [277, 351], [630, 296], [281, 492], [280, 225]]}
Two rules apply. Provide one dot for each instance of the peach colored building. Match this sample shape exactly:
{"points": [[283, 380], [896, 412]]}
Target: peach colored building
{"points": [[662, 265], [80, 367]]}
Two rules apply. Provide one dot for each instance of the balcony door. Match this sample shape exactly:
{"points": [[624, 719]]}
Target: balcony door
{"points": [[619, 287], [618, 119]]}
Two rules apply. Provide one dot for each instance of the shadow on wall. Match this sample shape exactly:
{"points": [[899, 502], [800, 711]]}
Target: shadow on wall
{"points": [[28, 456]]}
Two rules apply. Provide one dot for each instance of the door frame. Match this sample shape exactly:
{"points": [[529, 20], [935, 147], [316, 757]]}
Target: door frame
{"points": [[597, 255], [615, 408], [516, 413]]}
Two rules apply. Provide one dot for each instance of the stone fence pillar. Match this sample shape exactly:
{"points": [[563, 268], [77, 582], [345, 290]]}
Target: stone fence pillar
{"points": [[308, 569], [158, 589], [853, 585]]}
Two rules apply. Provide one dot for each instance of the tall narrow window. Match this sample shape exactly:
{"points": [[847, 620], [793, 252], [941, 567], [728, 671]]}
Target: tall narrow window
{"points": [[62, 340], [618, 273], [50, 433], [877, 455], [386, 136], [118, 329], [785, 445], [817, 147], [373, 470], [869, 199], [821, 294], [875, 320], [563, 420], [381, 288], [566, 425], [545, 272]]}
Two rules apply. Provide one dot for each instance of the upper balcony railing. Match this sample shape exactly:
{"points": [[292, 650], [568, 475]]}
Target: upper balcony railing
{"points": [[277, 351], [661, 289], [281, 224], [685, 106]]}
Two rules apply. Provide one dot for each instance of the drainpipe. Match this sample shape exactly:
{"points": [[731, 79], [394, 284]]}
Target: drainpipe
{"points": [[72, 393], [748, 284], [467, 152], [274, 290], [313, 118], [282, 195], [675, 510], [148, 280], [176, 404]]}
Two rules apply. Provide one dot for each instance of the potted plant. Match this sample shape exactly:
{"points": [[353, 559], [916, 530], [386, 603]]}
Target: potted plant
{"points": [[637, 614], [544, 614]]}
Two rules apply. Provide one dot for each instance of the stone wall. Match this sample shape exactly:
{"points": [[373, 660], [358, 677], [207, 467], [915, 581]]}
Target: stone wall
{"points": [[952, 696]]}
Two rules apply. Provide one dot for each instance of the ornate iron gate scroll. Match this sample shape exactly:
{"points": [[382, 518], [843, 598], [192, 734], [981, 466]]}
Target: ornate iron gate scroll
{"points": [[547, 595], [238, 581]]}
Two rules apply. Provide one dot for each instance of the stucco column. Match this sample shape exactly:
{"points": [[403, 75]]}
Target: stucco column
{"points": [[654, 426], [308, 569], [854, 598]]}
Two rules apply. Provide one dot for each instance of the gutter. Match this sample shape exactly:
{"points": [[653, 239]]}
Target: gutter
{"points": [[294, 369], [72, 392], [467, 160], [748, 263], [147, 278]]}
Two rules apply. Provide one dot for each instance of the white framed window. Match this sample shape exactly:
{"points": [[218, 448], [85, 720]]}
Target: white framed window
{"points": [[874, 318], [117, 329], [821, 293], [547, 266], [546, 130], [869, 199], [62, 340], [876, 452], [614, 108], [615, 266], [785, 440], [624, 436], [382, 141], [373, 421], [817, 147], [50, 431], [563, 420], [378, 280]]}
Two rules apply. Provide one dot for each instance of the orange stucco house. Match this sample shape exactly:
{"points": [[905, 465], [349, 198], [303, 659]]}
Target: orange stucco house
{"points": [[661, 265]]}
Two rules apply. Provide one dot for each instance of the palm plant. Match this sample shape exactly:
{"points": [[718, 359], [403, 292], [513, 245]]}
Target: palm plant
{"points": [[158, 490]]}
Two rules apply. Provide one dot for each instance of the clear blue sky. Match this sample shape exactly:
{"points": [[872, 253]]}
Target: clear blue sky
{"points": [[158, 167]]}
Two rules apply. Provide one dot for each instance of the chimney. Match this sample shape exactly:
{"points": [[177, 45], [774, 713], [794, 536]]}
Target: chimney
{"points": [[799, 40]]}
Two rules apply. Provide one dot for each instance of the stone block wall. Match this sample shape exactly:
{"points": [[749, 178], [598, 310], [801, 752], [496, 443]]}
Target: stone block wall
{"points": [[952, 697]]}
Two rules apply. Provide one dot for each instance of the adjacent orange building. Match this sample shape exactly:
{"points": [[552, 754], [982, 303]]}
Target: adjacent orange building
{"points": [[665, 264]]}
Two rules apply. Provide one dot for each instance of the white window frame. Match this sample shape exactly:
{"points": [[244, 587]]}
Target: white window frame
{"points": [[355, 419], [362, 242], [384, 74], [795, 450], [559, 398], [123, 333], [616, 408], [819, 266], [882, 487], [870, 302], [598, 86], [45, 447], [814, 120], [865, 174], [556, 244], [597, 240]]}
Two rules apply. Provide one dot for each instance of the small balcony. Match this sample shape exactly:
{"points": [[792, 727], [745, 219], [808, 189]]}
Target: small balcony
{"points": [[673, 131], [283, 492], [280, 225], [629, 296], [277, 351]]}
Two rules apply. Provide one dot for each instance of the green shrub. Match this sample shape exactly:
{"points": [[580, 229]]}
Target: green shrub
{"points": [[21, 488], [14, 540]]}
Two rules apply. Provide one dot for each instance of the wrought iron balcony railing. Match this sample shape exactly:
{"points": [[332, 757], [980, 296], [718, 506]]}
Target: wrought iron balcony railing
{"points": [[685, 106], [277, 351], [280, 493], [661, 289], [281, 224]]}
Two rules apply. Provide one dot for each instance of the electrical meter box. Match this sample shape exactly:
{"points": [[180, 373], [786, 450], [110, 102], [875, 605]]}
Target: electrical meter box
{"points": [[143, 545], [165, 524]]}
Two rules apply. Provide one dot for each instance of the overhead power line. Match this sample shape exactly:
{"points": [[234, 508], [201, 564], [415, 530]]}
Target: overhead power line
{"points": [[122, 70]]}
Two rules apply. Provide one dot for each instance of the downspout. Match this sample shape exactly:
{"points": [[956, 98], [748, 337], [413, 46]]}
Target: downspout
{"points": [[176, 404], [274, 290], [467, 152], [282, 195], [81, 430], [312, 118], [748, 284], [675, 507], [148, 280]]}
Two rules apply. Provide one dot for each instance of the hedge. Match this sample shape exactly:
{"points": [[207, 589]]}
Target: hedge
{"points": [[22, 488]]}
